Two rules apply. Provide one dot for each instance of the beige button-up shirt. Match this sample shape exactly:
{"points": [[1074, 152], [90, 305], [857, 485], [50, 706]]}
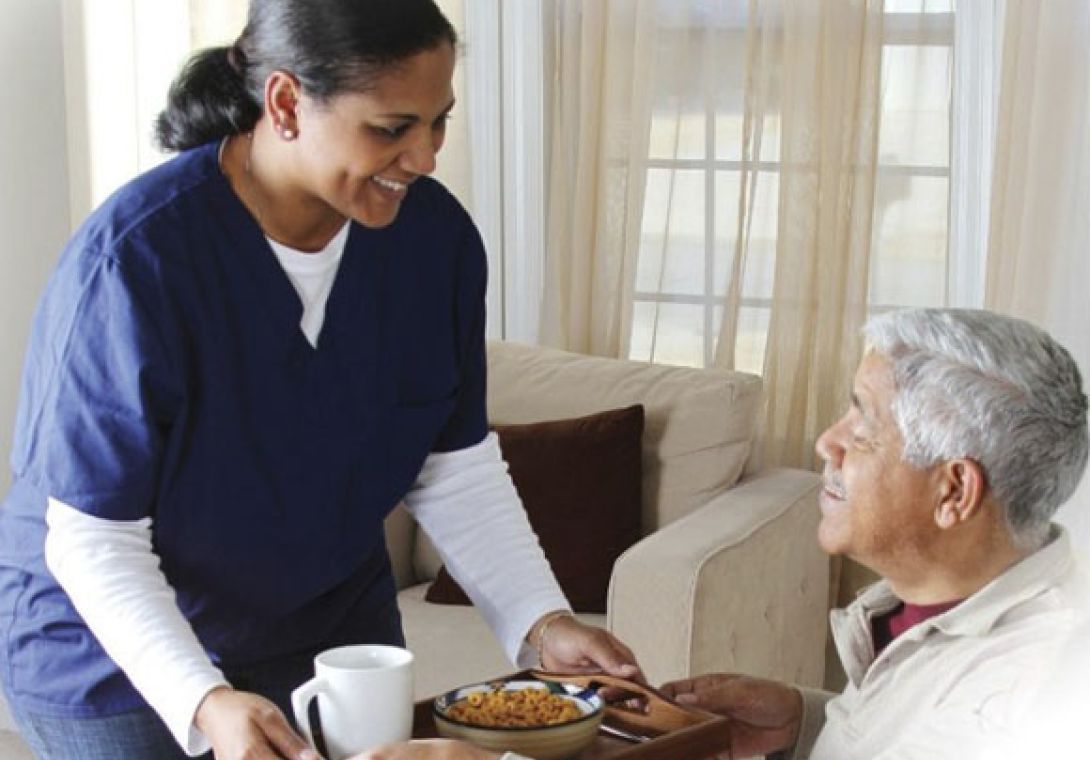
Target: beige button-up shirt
{"points": [[953, 685]]}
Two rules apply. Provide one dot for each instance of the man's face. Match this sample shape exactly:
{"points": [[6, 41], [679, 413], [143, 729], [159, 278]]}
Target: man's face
{"points": [[875, 508]]}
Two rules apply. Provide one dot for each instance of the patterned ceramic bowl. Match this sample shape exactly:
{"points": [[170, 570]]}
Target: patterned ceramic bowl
{"points": [[459, 714]]}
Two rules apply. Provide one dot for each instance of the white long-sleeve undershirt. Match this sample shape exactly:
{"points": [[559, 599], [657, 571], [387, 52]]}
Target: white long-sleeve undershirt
{"points": [[112, 575], [467, 504], [464, 499]]}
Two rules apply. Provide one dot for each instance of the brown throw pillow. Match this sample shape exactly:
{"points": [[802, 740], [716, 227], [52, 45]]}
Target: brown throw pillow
{"points": [[579, 480]]}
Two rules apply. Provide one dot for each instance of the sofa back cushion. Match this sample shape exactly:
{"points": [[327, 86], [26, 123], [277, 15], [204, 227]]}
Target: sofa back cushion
{"points": [[698, 427], [699, 424], [579, 481]]}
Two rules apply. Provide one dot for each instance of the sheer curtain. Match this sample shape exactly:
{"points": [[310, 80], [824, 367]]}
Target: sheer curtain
{"points": [[603, 62], [1039, 236], [714, 168], [830, 103]]}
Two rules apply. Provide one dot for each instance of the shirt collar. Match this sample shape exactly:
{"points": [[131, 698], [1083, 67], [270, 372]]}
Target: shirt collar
{"points": [[976, 616], [1028, 578]]}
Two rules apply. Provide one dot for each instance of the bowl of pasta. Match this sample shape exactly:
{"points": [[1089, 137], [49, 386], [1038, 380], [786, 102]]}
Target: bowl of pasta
{"points": [[546, 720]]}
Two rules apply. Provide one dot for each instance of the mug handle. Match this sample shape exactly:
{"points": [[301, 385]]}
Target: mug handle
{"points": [[300, 701]]}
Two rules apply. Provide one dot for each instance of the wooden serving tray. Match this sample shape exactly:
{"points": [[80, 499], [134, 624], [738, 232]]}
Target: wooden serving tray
{"points": [[675, 731]]}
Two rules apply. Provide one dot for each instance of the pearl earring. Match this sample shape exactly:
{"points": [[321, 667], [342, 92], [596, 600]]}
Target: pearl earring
{"points": [[287, 133]]}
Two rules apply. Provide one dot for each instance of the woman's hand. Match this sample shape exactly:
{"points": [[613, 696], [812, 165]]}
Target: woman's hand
{"points": [[427, 749], [244, 726], [766, 715], [567, 645]]}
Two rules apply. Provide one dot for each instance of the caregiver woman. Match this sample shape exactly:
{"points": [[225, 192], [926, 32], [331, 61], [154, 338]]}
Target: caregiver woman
{"points": [[244, 360]]}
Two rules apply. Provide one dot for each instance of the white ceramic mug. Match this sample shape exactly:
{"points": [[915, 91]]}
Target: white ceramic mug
{"points": [[365, 698]]}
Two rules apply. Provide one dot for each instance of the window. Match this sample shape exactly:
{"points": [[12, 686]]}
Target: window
{"points": [[908, 266], [694, 185]]}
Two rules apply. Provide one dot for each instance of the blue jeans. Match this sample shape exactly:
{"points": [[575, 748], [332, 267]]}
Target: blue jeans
{"points": [[137, 735], [141, 735]]}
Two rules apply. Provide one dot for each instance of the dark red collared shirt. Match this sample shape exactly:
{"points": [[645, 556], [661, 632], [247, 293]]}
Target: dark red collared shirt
{"points": [[885, 628]]}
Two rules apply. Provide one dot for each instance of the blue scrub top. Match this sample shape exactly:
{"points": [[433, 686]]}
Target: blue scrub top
{"points": [[167, 377]]}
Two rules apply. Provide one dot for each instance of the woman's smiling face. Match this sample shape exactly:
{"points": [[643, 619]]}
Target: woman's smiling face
{"points": [[364, 149]]}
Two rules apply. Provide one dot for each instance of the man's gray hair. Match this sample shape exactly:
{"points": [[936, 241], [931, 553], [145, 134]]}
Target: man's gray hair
{"points": [[994, 389]]}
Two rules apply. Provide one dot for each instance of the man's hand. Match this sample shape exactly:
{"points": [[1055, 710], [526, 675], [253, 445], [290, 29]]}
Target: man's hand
{"points": [[573, 647], [428, 749], [244, 726], [766, 715]]}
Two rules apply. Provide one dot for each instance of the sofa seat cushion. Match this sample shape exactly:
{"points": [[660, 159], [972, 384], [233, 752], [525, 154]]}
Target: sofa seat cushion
{"points": [[453, 646], [579, 481]]}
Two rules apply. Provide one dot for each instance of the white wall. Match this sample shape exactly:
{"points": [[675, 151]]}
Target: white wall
{"points": [[34, 218]]}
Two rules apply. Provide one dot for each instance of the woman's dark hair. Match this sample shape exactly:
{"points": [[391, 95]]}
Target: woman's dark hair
{"points": [[330, 46]]}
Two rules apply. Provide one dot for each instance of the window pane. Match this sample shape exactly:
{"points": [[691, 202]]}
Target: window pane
{"points": [[915, 105], [919, 6], [908, 267], [643, 328], [730, 87], [679, 111], [720, 14], [761, 259], [675, 132], [679, 331], [749, 351], [672, 250], [729, 139]]}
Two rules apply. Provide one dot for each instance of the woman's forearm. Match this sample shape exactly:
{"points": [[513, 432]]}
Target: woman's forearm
{"points": [[112, 575]]}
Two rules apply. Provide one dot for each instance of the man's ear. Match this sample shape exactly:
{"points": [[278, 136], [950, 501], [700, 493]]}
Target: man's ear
{"points": [[962, 488]]}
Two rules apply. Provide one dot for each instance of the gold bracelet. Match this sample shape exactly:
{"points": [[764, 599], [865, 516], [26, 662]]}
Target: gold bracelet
{"points": [[545, 629]]}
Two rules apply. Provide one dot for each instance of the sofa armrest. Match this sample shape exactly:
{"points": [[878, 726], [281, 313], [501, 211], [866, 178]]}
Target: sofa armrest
{"points": [[738, 585], [401, 535]]}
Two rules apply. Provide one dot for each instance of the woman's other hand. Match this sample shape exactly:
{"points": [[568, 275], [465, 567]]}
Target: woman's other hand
{"points": [[427, 749], [569, 646], [766, 715], [244, 725]]}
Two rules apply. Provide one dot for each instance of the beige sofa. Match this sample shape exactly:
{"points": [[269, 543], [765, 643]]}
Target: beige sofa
{"points": [[728, 576]]}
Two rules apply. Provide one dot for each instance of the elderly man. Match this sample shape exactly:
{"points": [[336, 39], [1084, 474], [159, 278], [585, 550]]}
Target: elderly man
{"points": [[966, 431]]}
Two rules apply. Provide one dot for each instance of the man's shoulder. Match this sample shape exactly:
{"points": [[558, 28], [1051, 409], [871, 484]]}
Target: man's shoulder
{"points": [[1057, 601]]}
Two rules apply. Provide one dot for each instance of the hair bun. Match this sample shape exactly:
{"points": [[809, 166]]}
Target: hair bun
{"points": [[236, 57]]}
